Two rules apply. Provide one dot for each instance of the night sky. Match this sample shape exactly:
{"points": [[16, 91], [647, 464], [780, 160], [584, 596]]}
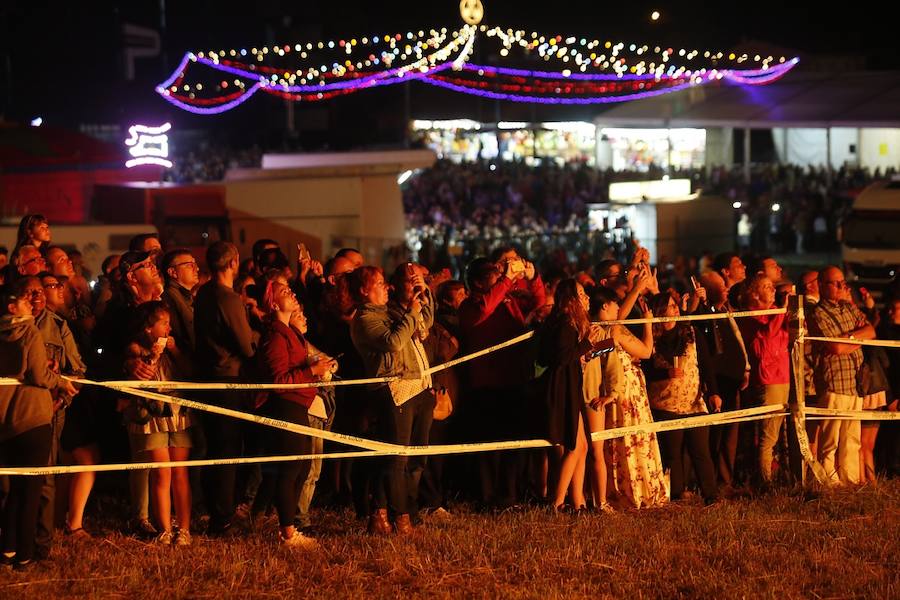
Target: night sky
{"points": [[63, 60]]}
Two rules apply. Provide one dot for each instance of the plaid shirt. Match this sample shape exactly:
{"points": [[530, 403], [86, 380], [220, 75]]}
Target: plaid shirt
{"points": [[836, 372]]}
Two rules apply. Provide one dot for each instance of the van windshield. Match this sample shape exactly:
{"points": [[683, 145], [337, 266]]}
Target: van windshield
{"points": [[879, 229]]}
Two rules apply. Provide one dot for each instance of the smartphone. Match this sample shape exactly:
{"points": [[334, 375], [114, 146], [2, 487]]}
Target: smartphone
{"points": [[302, 251], [160, 345], [695, 283]]}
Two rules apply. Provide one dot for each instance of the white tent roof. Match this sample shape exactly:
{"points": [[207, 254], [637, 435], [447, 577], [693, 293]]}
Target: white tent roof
{"points": [[864, 99]]}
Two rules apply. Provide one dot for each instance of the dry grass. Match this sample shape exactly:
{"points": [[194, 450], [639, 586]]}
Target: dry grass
{"points": [[844, 544]]}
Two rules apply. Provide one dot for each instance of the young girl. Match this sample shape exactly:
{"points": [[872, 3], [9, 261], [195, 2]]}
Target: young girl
{"points": [[603, 381], [636, 462], [158, 431]]}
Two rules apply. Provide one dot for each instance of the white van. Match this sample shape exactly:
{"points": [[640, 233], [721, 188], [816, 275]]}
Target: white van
{"points": [[870, 237]]}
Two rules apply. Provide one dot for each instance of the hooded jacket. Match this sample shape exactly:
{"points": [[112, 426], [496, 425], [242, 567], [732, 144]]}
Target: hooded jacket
{"points": [[23, 357]]}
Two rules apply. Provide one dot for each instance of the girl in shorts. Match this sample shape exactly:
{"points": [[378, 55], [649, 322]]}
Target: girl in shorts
{"points": [[159, 431]]}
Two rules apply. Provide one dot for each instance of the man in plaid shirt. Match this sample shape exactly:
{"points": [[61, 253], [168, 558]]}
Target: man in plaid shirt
{"points": [[837, 369]]}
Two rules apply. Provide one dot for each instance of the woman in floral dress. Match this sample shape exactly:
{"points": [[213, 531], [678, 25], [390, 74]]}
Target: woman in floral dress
{"points": [[636, 462]]}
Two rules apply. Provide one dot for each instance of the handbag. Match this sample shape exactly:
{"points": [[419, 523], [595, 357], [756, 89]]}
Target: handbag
{"points": [[443, 406]]}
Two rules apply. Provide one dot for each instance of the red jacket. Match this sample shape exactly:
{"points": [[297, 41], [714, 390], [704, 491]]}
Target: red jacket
{"points": [[494, 317], [283, 359], [766, 340]]}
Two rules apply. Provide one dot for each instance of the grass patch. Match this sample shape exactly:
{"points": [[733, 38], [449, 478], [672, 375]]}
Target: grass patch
{"points": [[842, 544]]}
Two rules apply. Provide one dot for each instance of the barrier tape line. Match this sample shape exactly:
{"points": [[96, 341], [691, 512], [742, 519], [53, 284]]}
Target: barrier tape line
{"points": [[258, 419], [751, 414], [704, 317], [824, 414], [880, 343], [480, 353], [184, 385]]}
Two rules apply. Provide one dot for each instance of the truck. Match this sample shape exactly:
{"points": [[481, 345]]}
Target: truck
{"points": [[870, 238]]}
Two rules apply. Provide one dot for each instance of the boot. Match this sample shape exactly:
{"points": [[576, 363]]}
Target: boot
{"points": [[378, 522], [403, 524]]}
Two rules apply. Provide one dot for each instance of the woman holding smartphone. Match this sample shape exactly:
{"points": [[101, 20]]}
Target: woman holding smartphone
{"points": [[636, 463], [388, 332]]}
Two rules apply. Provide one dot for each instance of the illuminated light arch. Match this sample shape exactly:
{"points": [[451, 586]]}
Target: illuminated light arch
{"points": [[588, 71]]}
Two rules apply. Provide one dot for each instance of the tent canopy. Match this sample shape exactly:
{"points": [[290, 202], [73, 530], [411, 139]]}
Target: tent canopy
{"points": [[861, 99]]}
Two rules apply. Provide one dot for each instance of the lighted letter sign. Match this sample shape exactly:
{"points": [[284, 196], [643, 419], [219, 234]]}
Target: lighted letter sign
{"points": [[148, 146]]}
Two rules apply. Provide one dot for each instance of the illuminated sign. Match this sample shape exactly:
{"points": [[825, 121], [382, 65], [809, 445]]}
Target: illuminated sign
{"points": [[148, 145], [629, 192]]}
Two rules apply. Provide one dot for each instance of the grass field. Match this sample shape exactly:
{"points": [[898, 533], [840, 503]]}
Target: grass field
{"points": [[842, 544]]}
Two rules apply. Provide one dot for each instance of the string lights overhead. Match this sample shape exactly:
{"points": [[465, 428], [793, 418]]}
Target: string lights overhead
{"points": [[575, 70]]}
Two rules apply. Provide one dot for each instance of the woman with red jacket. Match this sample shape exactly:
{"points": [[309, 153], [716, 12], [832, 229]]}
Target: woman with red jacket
{"points": [[766, 339], [285, 357]]}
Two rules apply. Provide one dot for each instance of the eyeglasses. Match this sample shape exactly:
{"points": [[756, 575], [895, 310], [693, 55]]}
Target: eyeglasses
{"points": [[53, 286], [838, 283], [192, 263], [36, 293]]}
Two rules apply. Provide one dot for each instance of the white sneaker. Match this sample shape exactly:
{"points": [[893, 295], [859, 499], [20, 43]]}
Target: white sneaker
{"points": [[182, 538], [165, 538], [299, 540]]}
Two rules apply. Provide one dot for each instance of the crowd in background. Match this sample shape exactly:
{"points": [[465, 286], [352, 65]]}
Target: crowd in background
{"points": [[783, 208], [163, 314]]}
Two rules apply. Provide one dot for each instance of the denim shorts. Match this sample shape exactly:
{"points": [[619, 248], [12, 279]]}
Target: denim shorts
{"points": [[143, 442]]}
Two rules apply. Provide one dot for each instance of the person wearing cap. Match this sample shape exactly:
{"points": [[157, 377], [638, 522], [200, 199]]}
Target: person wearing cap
{"points": [[140, 283]]}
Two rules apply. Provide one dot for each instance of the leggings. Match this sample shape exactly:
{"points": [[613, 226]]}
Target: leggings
{"points": [[29, 449]]}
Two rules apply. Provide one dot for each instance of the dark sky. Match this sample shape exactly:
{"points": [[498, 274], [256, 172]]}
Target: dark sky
{"points": [[63, 59]]}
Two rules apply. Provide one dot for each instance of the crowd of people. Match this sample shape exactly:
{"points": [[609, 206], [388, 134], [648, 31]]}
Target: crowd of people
{"points": [[163, 314], [783, 208]]}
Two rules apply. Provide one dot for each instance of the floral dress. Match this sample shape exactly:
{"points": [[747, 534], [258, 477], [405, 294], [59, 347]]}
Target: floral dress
{"points": [[636, 462]]}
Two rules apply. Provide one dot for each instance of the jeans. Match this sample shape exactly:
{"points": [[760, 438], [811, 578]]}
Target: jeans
{"points": [[47, 512], [770, 429], [408, 424], [315, 469]]}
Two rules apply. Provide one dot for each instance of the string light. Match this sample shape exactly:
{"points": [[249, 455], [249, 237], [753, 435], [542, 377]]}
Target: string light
{"points": [[591, 71]]}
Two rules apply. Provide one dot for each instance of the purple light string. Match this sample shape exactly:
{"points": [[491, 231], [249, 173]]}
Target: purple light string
{"points": [[338, 85], [746, 77], [553, 99], [176, 73], [611, 77]]}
